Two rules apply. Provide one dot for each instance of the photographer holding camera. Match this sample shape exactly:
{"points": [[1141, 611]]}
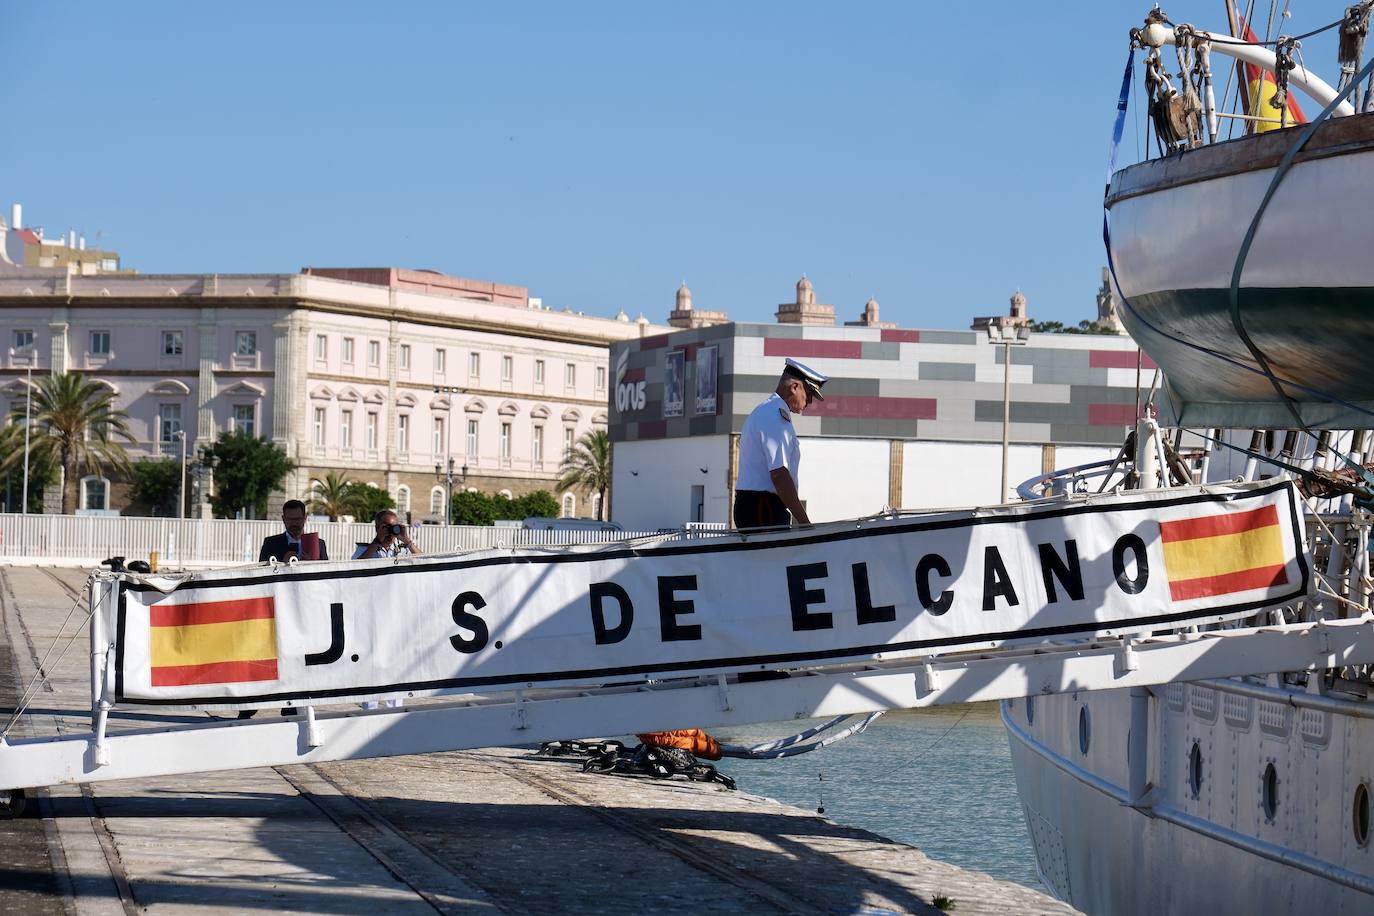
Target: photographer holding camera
{"points": [[392, 539]]}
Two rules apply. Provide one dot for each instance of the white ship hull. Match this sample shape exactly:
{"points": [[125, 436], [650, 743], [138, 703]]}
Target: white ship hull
{"points": [[1209, 837]]}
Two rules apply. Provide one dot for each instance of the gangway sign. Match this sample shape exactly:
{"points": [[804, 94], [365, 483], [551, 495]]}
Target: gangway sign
{"points": [[531, 645]]}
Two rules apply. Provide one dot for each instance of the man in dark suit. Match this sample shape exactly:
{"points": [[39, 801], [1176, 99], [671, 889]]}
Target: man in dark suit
{"points": [[286, 545]]}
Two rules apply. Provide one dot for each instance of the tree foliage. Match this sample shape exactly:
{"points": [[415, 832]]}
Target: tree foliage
{"points": [[588, 466], [157, 483], [330, 495], [472, 508], [75, 425], [1083, 327], [42, 470], [364, 500], [249, 470]]}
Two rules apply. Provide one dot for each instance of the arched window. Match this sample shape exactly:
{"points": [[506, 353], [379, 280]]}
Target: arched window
{"points": [[436, 501], [569, 505], [596, 505], [402, 499], [95, 493]]}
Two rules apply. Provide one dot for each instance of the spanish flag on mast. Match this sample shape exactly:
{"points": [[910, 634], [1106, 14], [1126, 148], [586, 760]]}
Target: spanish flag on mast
{"points": [[1260, 90]]}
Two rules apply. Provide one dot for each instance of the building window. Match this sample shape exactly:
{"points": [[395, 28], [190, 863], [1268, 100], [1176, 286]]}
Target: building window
{"points": [[570, 376], [438, 436], [403, 433], [319, 427], [346, 429], [569, 505], [321, 347], [348, 350], [405, 357], [472, 441], [507, 368], [436, 501], [100, 343], [246, 343], [374, 353], [95, 493], [440, 362], [402, 500], [539, 372], [474, 365], [505, 443], [371, 431], [23, 341], [171, 343], [168, 425], [537, 447], [245, 419], [567, 442], [600, 378]]}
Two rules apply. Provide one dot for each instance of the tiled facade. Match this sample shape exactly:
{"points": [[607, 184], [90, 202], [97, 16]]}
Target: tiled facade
{"points": [[902, 387]]}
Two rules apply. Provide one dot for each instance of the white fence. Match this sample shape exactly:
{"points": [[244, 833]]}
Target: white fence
{"points": [[70, 540]]}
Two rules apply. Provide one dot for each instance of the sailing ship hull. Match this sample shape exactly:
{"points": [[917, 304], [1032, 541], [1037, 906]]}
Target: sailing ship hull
{"points": [[1178, 225], [1208, 839]]}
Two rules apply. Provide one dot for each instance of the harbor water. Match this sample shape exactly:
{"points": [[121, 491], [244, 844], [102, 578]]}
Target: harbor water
{"points": [[939, 779]]}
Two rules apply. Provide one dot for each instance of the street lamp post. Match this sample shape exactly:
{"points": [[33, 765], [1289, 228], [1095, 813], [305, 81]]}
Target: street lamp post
{"points": [[445, 472], [1006, 338], [181, 478], [28, 410]]}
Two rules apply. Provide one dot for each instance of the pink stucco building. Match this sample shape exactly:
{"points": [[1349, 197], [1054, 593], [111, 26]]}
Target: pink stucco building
{"points": [[381, 373]]}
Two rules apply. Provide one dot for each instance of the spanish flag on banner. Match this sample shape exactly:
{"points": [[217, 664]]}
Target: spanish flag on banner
{"points": [[1260, 93], [219, 642], [1221, 554]]}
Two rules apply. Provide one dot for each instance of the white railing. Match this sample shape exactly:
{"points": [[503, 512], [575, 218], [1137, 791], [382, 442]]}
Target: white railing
{"points": [[69, 540]]}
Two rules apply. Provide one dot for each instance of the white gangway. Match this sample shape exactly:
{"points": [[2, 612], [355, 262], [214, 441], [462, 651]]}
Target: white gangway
{"points": [[1070, 593]]}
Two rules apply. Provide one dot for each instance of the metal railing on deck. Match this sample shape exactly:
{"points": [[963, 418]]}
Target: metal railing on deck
{"points": [[86, 540]]}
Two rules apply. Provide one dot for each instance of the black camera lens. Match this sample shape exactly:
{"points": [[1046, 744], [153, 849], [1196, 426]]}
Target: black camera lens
{"points": [[395, 529]]}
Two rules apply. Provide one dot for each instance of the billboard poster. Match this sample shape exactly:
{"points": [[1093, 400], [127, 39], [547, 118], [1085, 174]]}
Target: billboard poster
{"points": [[706, 380], [674, 369]]}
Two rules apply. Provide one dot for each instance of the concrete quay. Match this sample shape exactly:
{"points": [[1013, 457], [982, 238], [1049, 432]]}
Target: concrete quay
{"points": [[492, 831]]}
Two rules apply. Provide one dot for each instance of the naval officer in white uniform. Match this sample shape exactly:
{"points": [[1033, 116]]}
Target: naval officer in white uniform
{"points": [[769, 454]]}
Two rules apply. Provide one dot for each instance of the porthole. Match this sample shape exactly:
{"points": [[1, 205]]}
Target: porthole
{"points": [[1270, 791], [1360, 814], [1195, 770], [1030, 710], [1084, 729]]}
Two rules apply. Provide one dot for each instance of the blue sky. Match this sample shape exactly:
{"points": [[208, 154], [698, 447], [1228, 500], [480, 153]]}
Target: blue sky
{"points": [[936, 156]]}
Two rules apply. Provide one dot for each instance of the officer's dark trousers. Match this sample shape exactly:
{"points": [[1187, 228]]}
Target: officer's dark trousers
{"points": [[760, 509]]}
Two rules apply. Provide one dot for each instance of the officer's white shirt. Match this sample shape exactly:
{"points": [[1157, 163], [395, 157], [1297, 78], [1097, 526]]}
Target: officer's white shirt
{"points": [[767, 442]]}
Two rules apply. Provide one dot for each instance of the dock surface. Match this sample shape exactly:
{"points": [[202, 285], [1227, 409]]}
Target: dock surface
{"points": [[492, 831]]}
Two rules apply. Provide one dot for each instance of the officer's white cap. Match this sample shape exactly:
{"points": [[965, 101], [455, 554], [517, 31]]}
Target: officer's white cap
{"points": [[809, 377]]}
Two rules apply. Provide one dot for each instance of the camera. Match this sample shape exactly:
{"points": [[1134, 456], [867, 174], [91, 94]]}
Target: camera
{"points": [[394, 529]]}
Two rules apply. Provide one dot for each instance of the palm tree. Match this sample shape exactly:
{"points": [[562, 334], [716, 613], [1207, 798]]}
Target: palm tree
{"points": [[331, 496], [588, 466], [74, 422]]}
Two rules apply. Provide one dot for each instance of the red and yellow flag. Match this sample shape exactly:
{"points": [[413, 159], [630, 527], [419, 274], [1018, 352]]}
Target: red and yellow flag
{"points": [[1260, 93], [219, 642], [1220, 554]]}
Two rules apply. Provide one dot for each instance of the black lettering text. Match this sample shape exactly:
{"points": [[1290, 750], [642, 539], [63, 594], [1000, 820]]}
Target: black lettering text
{"points": [[932, 563], [336, 639], [472, 622], [670, 608], [1135, 545], [863, 599], [996, 582], [1065, 569], [606, 635], [800, 597]]}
